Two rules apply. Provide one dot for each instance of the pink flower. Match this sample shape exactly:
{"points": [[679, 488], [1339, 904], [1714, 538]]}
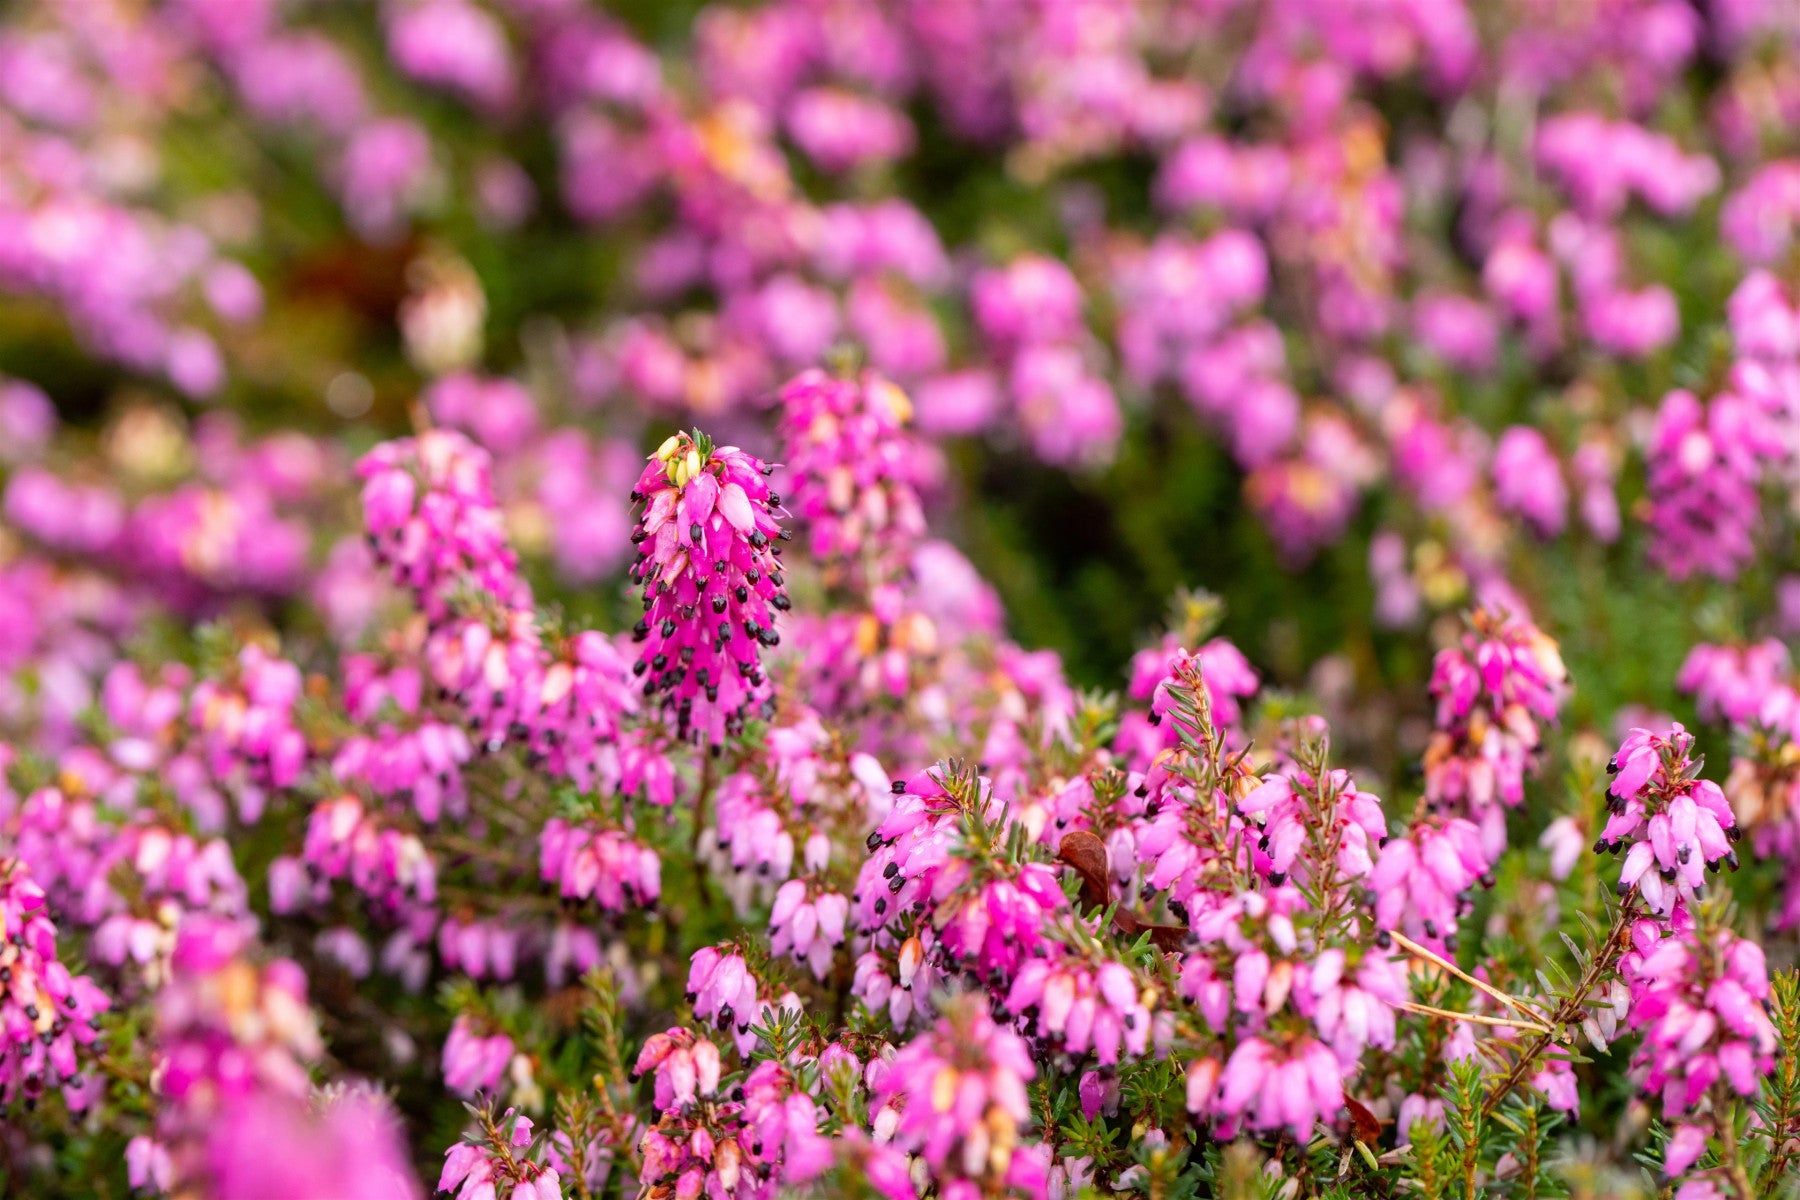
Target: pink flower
{"points": [[234, 1042], [1226, 674], [712, 583], [959, 1089], [840, 130], [1068, 411], [1705, 466], [1685, 1147], [383, 175], [1528, 480], [348, 1144], [48, 1016], [1698, 1002], [722, 988], [810, 927], [686, 1065], [1601, 163], [1353, 1012], [1460, 330], [454, 44], [1033, 301], [1290, 807], [608, 866], [856, 473], [1272, 1088], [1493, 689], [782, 1122], [1077, 1007], [1423, 880], [1565, 841], [1730, 682], [1759, 218], [473, 1063], [1677, 823], [477, 1170]]}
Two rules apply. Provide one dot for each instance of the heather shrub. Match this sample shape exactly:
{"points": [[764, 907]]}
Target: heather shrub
{"points": [[922, 599]]}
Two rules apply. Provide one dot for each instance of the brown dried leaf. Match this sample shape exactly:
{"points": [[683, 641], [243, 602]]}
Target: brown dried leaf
{"points": [[1167, 938], [1363, 1125], [1086, 853]]}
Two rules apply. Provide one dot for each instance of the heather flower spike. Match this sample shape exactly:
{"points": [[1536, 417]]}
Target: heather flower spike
{"points": [[48, 1015], [1495, 688], [1678, 826], [712, 583], [856, 472]]}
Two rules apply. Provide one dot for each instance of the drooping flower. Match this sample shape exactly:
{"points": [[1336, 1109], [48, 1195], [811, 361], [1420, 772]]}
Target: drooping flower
{"points": [[392, 868], [958, 1099], [783, 1121], [1706, 462], [1731, 682], [589, 862], [429, 507], [807, 924], [473, 1061], [1422, 881], [1226, 674], [724, 990], [1528, 480], [1077, 1006], [346, 1144], [244, 728], [939, 855], [686, 1066], [1293, 808], [1270, 1087]]}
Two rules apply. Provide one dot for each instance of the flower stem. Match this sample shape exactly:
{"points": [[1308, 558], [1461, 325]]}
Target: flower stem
{"points": [[1599, 968], [1478, 1018], [1431, 956], [702, 884], [1731, 1156]]}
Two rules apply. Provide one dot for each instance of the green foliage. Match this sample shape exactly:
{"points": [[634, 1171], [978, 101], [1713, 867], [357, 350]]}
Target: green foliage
{"points": [[1777, 1140]]}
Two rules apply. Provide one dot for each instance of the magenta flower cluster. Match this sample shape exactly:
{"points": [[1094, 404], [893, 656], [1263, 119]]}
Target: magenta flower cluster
{"points": [[1678, 825], [857, 473], [47, 1014], [712, 584]]}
